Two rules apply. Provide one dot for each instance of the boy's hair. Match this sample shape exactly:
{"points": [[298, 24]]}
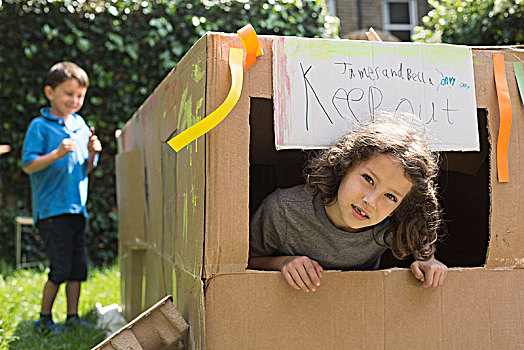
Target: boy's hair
{"points": [[413, 225], [63, 71]]}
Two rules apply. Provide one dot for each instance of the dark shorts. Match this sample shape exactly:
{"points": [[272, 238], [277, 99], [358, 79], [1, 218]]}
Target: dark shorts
{"points": [[64, 237]]}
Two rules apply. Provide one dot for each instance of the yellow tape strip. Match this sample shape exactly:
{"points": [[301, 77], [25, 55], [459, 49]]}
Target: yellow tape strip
{"points": [[192, 133]]}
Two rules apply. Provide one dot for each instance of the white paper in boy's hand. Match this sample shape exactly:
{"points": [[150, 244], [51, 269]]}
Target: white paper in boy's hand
{"points": [[324, 88]]}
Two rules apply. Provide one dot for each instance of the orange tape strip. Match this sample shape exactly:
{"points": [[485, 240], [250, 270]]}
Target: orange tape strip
{"points": [[251, 45], [505, 117]]}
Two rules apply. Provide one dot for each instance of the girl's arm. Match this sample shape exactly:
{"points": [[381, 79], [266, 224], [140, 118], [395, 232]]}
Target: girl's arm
{"points": [[430, 273], [300, 272]]}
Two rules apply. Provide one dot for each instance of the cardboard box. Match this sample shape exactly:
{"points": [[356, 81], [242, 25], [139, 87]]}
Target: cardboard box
{"points": [[159, 327], [189, 237]]}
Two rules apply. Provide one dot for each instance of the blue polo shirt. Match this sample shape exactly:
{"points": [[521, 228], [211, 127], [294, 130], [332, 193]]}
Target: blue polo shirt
{"points": [[61, 188]]}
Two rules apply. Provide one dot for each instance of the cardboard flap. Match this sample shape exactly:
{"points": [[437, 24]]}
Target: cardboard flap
{"points": [[189, 300], [477, 308], [227, 167], [506, 247], [130, 195], [182, 173]]}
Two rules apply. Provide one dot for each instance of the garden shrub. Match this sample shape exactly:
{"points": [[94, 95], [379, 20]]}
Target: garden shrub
{"points": [[473, 22], [127, 48]]}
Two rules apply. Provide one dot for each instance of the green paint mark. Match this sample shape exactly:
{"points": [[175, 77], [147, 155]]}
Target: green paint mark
{"points": [[184, 112], [193, 196], [199, 104], [197, 73], [175, 294], [198, 116], [477, 63], [185, 218], [311, 50], [186, 118]]}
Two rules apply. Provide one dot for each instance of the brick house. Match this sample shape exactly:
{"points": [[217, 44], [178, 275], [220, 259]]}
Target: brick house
{"points": [[396, 17]]}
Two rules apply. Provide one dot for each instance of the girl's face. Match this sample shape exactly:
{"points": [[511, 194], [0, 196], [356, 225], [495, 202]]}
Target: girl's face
{"points": [[368, 194], [66, 98]]}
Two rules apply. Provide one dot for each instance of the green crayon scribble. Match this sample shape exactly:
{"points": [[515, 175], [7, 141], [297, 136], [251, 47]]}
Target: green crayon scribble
{"points": [[197, 73], [194, 196], [186, 117], [185, 218], [184, 112]]}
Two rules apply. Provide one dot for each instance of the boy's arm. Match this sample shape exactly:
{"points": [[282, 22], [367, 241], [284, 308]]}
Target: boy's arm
{"points": [[94, 147], [430, 273], [43, 161]]}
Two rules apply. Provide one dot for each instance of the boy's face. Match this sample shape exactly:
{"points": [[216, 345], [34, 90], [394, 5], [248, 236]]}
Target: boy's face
{"points": [[368, 194], [66, 98]]}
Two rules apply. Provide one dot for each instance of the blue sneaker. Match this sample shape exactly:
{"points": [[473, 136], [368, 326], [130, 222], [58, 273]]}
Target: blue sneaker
{"points": [[75, 323], [46, 327]]}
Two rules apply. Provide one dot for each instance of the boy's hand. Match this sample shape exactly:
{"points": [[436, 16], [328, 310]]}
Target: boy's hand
{"points": [[301, 272], [94, 145], [430, 273], [67, 145]]}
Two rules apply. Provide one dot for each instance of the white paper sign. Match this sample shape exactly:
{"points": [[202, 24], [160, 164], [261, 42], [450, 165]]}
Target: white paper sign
{"points": [[324, 88]]}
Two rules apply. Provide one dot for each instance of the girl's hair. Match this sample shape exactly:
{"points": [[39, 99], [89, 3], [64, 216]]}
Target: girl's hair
{"points": [[63, 71], [414, 223]]}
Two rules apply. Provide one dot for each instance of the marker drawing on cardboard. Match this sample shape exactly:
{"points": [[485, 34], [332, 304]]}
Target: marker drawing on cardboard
{"points": [[323, 88]]}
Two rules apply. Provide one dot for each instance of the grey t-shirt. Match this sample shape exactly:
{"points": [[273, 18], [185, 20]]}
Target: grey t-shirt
{"points": [[292, 222]]}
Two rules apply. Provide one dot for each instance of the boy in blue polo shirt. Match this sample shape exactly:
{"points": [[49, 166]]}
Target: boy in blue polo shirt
{"points": [[59, 151]]}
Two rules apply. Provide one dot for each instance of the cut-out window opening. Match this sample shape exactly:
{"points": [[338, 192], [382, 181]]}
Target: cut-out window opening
{"points": [[463, 188]]}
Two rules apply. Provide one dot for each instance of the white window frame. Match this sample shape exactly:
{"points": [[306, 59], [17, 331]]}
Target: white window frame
{"points": [[413, 17], [332, 7]]}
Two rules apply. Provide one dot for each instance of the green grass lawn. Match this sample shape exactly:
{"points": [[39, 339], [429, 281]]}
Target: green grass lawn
{"points": [[20, 297]]}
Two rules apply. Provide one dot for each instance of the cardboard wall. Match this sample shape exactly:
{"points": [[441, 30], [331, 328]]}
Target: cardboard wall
{"points": [[506, 247], [476, 309]]}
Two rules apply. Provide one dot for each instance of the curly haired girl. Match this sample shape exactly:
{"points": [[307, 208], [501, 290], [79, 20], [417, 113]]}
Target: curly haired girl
{"points": [[373, 190]]}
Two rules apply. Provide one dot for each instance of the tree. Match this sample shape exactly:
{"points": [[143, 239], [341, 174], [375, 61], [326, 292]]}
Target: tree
{"points": [[473, 22]]}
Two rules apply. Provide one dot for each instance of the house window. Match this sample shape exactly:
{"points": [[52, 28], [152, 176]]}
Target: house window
{"points": [[400, 17], [332, 7]]}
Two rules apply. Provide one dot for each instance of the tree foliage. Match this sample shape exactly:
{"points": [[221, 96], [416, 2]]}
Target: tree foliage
{"points": [[473, 22], [126, 47]]}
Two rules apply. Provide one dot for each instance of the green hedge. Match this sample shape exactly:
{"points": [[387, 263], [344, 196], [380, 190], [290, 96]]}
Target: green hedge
{"points": [[126, 47], [473, 22]]}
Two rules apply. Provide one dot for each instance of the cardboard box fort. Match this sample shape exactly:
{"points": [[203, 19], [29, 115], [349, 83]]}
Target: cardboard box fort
{"points": [[184, 225]]}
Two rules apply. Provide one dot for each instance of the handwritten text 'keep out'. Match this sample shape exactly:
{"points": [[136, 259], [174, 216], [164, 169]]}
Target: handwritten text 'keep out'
{"points": [[366, 95]]}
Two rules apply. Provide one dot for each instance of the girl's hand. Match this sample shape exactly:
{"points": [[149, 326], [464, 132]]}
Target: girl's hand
{"points": [[301, 272], [430, 273]]}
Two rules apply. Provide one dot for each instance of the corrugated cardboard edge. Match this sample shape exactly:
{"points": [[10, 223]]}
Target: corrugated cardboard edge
{"points": [[160, 326]]}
